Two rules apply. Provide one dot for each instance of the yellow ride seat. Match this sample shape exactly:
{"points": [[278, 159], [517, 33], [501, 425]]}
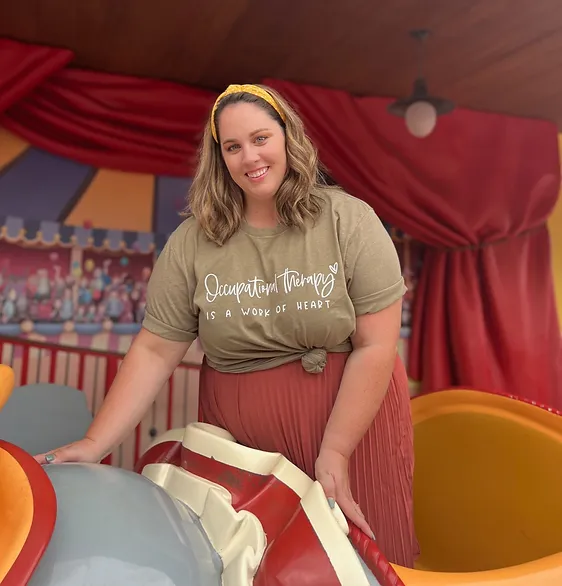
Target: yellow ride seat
{"points": [[487, 488], [6, 384]]}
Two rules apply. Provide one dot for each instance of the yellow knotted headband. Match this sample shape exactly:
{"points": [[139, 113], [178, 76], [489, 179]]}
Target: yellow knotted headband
{"points": [[248, 89]]}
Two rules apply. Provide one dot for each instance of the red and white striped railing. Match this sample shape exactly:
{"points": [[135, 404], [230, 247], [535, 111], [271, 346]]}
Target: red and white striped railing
{"points": [[92, 372]]}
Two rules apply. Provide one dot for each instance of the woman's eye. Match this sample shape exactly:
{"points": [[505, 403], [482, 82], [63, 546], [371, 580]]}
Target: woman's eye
{"points": [[232, 147], [261, 139]]}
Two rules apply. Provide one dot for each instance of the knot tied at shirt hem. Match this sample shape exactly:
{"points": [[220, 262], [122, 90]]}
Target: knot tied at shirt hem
{"points": [[314, 361]]}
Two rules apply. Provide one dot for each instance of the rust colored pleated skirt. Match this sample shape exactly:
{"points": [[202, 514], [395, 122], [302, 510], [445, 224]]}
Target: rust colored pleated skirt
{"points": [[285, 409]]}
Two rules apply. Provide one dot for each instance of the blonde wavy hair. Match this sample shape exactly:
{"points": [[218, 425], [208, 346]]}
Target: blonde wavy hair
{"points": [[217, 202]]}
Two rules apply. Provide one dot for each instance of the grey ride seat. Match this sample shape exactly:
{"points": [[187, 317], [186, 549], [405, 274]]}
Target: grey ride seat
{"points": [[43, 416]]}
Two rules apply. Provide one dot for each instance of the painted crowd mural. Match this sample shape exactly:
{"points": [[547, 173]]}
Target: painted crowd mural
{"points": [[72, 288]]}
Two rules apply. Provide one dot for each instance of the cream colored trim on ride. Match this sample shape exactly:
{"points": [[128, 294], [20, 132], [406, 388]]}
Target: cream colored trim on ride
{"points": [[238, 537], [331, 530], [214, 442]]}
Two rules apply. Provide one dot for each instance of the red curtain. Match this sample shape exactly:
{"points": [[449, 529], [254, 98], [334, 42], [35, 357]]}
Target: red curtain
{"points": [[478, 192], [24, 68], [109, 121]]}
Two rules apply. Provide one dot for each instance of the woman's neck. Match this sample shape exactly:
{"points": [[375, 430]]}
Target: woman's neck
{"points": [[261, 214]]}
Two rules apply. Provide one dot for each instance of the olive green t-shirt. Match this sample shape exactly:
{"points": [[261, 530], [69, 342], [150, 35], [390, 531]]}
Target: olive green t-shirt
{"points": [[271, 296]]}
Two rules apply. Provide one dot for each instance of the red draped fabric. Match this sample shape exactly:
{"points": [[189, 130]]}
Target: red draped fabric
{"points": [[109, 121], [477, 192], [24, 68]]}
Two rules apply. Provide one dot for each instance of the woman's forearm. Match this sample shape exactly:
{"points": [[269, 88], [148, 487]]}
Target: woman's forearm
{"points": [[362, 389], [146, 367]]}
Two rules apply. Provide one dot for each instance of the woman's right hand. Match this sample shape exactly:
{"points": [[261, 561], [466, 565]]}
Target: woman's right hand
{"points": [[85, 450]]}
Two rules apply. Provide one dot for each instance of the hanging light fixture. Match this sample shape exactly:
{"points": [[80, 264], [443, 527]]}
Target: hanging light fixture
{"points": [[420, 110]]}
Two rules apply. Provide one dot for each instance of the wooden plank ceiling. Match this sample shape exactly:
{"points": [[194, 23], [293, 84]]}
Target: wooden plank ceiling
{"points": [[493, 55]]}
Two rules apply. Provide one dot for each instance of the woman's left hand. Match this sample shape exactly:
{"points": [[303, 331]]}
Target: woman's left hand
{"points": [[332, 472]]}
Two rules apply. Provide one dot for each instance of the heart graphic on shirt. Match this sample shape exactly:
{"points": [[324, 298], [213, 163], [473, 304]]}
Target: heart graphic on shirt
{"points": [[334, 268]]}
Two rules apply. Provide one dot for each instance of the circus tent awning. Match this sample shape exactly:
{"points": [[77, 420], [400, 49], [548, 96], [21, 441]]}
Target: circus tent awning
{"points": [[40, 186], [49, 233]]}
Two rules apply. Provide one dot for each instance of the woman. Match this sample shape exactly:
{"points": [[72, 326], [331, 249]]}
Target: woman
{"points": [[294, 290]]}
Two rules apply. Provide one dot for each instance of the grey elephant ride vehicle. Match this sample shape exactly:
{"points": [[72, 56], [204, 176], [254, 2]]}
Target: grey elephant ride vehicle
{"points": [[199, 510]]}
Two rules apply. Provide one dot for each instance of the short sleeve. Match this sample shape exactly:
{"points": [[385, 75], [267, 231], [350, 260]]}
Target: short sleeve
{"points": [[170, 311], [372, 266]]}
